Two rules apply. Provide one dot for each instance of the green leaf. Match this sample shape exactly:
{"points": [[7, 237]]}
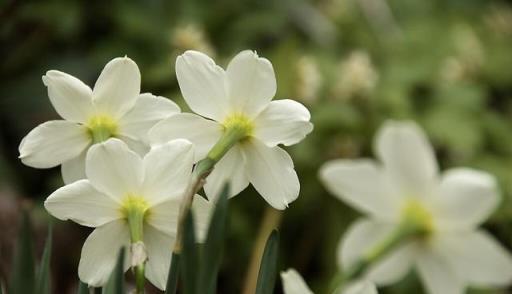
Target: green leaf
{"points": [[43, 275], [115, 284], [82, 288], [213, 246], [189, 256], [172, 277], [268, 268], [23, 274]]}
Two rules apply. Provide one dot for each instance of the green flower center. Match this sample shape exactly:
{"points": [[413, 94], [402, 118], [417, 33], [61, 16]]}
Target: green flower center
{"points": [[240, 124], [418, 216], [101, 128], [135, 209]]}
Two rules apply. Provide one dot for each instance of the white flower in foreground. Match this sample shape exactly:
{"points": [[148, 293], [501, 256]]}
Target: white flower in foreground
{"points": [[452, 253], [293, 283], [239, 98], [124, 191], [114, 108]]}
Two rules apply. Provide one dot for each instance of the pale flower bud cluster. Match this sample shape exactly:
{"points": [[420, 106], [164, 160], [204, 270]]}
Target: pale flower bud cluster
{"points": [[356, 77]]}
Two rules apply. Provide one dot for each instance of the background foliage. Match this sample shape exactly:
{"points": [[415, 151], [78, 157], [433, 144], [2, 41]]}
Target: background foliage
{"points": [[444, 63]]}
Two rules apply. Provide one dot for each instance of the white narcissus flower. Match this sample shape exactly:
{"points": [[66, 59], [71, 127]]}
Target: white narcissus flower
{"points": [[293, 283], [122, 189], [114, 108], [239, 97], [406, 186]]}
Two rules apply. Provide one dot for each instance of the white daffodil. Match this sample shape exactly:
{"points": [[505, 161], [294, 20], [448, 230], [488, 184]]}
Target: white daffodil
{"points": [[293, 283], [238, 100], [451, 253], [129, 200], [114, 108]]}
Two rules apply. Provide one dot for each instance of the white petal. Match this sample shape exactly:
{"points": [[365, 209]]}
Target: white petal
{"points": [[100, 251], [252, 83], [114, 169], [293, 283], [136, 146], [118, 87], [477, 258], [71, 98], [364, 235], [408, 158], [203, 84], [466, 198], [362, 185], [203, 133], [360, 287], [283, 122], [231, 168], [53, 143], [159, 247], [164, 216], [83, 204], [74, 169], [148, 110], [167, 170], [437, 276], [270, 170]]}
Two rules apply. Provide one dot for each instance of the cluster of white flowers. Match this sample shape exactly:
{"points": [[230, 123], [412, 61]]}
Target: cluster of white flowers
{"points": [[128, 185], [128, 159]]}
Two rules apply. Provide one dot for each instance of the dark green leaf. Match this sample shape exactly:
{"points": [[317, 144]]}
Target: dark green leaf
{"points": [[82, 288], [23, 274], [213, 246], [189, 258], [172, 278], [268, 269], [115, 284], [43, 275]]}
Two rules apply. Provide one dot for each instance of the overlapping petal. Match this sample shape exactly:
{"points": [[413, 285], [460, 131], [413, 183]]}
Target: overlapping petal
{"points": [[117, 87], [466, 198], [99, 254], [252, 83], [203, 133], [203, 84], [159, 249], [437, 275], [147, 111], [476, 258], [362, 184], [408, 158], [271, 172], [360, 287], [231, 168], [71, 98], [53, 143], [167, 170], [74, 169], [283, 122], [293, 283], [83, 204], [114, 169]]}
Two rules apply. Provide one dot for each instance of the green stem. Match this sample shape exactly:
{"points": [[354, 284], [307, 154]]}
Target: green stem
{"points": [[136, 225], [229, 138], [404, 232]]}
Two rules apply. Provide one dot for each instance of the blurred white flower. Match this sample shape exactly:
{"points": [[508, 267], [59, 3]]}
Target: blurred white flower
{"points": [[293, 283], [452, 253], [124, 192], [356, 76], [115, 108], [309, 80], [191, 37], [239, 98]]}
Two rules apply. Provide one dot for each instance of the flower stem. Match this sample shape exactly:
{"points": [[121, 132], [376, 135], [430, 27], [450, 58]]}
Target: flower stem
{"points": [[405, 231], [271, 220], [203, 168], [138, 252]]}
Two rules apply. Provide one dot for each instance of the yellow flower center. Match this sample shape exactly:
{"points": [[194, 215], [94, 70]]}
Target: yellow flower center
{"points": [[102, 127], [135, 209], [416, 214], [240, 124]]}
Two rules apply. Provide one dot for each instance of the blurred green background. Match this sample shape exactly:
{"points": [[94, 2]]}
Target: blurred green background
{"points": [[446, 64]]}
